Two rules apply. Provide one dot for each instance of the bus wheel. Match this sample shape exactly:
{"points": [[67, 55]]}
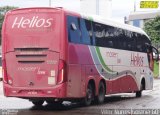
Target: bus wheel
{"points": [[89, 95], [101, 93], [139, 93], [38, 102]]}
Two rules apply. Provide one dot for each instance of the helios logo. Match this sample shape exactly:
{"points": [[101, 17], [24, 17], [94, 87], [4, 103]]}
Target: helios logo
{"points": [[137, 59], [35, 21]]}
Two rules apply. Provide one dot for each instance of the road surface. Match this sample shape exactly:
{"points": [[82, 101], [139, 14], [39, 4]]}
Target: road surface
{"points": [[149, 102]]}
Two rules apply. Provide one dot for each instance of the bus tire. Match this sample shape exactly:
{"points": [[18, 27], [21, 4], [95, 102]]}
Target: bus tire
{"points": [[101, 93], [89, 95], [38, 102], [139, 93]]}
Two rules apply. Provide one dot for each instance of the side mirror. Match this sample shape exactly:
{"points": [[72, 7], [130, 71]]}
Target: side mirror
{"points": [[156, 53], [153, 50]]}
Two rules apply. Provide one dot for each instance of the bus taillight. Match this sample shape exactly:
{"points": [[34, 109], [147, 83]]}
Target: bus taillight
{"points": [[61, 72], [4, 72]]}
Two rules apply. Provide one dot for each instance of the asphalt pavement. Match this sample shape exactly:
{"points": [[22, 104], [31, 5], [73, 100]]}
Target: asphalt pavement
{"points": [[150, 102]]}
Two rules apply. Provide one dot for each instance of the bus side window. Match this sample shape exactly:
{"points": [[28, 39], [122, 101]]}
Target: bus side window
{"points": [[122, 43], [73, 29], [131, 41], [103, 35], [86, 30], [110, 44], [144, 42], [140, 41], [99, 38], [139, 47]]}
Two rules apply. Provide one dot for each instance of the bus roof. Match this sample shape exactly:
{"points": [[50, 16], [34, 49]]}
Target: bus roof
{"points": [[110, 22], [30, 8], [114, 23], [95, 18]]}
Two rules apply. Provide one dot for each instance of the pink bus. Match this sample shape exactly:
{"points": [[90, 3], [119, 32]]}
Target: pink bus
{"points": [[52, 55]]}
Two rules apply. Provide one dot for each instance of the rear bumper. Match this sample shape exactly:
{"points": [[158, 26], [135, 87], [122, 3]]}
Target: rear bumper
{"points": [[58, 91]]}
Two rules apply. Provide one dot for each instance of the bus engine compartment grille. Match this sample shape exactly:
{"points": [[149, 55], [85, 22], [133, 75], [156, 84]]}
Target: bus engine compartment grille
{"points": [[31, 55], [31, 49]]}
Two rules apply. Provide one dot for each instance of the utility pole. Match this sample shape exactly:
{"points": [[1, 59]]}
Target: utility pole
{"points": [[49, 3], [97, 7], [134, 5]]}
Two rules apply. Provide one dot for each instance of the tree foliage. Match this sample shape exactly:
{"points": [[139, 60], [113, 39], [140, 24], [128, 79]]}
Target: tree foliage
{"points": [[3, 11], [152, 28]]}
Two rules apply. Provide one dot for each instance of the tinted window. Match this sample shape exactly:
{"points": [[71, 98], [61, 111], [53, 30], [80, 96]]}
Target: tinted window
{"points": [[73, 29], [113, 37], [142, 40], [105, 36], [83, 31], [131, 40], [86, 31], [99, 33]]}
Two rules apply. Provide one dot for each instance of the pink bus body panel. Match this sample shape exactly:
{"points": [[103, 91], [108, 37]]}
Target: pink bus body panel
{"points": [[34, 41]]}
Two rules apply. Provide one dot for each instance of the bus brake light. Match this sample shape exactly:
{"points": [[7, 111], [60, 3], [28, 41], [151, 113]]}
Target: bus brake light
{"points": [[4, 72], [61, 72]]}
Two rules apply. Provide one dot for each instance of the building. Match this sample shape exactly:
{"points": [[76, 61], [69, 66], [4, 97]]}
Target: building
{"points": [[139, 18], [97, 7]]}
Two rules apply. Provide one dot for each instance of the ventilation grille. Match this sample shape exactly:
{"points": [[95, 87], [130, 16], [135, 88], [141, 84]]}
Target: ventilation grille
{"points": [[31, 55]]}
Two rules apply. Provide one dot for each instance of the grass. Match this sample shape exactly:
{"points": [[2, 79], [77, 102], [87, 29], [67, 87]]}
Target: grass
{"points": [[156, 69]]}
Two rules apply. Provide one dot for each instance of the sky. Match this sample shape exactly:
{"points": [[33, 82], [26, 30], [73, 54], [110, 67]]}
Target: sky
{"points": [[120, 8], [71, 4]]}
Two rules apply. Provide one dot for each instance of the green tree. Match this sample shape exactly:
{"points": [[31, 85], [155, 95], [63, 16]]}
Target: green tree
{"points": [[152, 28], [3, 11]]}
